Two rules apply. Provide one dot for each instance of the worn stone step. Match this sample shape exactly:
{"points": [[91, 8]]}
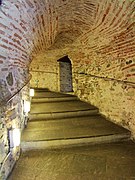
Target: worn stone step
{"points": [[60, 115], [56, 110], [40, 89], [62, 123], [63, 143], [72, 132], [66, 106], [71, 128], [49, 94], [96, 123], [53, 99]]}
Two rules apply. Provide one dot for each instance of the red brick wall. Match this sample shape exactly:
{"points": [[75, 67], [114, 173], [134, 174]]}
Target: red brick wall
{"points": [[105, 46], [26, 28], [97, 35], [105, 57]]}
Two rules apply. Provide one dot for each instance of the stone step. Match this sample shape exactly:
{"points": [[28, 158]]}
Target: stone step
{"points": [[60, 115], [40, 89], [62, 120], [78, 126], [72, 132], [66, 143], [53, 99], [67, 106], [67, 122], [56, 110], [49, 94]]}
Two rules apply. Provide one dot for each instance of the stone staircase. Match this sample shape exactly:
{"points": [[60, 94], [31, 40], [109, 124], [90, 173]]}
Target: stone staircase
{"points": [[62, 120]]}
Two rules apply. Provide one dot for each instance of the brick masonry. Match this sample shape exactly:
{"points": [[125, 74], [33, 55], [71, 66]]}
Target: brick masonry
{"points": [[98, 37], [101, 47], [106, 57], [11, 117], [44, 72]]}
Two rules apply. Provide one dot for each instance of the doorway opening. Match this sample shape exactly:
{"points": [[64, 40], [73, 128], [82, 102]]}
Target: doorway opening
{"points": [[65, 75]]}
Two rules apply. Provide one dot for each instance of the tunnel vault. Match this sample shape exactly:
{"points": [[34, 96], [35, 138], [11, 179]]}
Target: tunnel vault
{"points": [[97, 36], [98, 32]]}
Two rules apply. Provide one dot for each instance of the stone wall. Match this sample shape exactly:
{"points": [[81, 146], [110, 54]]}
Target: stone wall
{"points": [[12, 116], [102, 50], [104, 63], [44, 73], [103, 27], [26, 28], [97, 35], [115, 100]]}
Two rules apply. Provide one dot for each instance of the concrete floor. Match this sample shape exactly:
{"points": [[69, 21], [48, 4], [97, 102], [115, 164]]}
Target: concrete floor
{"points": [[115, 161]]}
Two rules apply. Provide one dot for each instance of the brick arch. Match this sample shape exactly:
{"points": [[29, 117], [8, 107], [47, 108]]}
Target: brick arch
{"points": [[103, 28], [26, 28], [97, 35]]}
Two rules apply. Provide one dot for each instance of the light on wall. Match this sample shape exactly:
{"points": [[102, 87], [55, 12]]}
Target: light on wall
{"points": [[32, 92], [26, 106], [15, 137]]}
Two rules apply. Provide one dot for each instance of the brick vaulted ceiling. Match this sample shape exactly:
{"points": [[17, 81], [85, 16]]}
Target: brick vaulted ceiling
{"points": [[28, 27]]}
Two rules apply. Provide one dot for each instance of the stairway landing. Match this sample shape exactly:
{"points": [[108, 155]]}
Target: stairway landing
{"points": [[113, 161]]}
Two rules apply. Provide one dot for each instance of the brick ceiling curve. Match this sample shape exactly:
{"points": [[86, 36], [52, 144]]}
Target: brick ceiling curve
{"points": [[104, 28], [31, 26]]}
